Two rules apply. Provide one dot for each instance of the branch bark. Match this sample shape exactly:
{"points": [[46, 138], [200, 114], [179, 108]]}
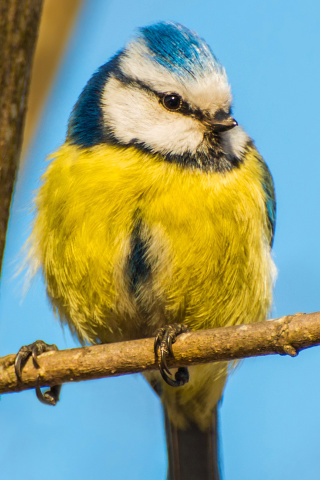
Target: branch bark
{"points": [[19, 23], [285, 336]]}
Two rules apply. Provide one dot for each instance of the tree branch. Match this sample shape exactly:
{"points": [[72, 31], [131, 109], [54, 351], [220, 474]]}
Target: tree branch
{"points": [[285, 336], [19, 22]]}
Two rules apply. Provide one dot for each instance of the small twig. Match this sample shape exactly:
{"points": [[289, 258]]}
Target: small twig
{"points": [[285, 336]]}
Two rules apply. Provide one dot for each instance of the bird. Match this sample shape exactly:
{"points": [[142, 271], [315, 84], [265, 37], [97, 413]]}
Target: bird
{"points": [[156, 217]]}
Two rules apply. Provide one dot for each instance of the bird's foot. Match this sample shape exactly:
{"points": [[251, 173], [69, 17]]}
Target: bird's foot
{"points": [[165, 337], [50, 397]]}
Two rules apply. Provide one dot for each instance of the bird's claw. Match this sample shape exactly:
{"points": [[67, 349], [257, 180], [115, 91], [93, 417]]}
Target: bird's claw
{"points": [[165, 337], [34, 349], [51, 396]]}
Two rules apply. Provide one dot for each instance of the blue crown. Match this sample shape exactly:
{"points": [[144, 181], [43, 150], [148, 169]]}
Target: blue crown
{"points": [[179, 50]]}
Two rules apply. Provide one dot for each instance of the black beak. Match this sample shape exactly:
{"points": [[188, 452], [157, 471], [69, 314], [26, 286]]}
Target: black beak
{"points": [[220, 122], [223, 125]]}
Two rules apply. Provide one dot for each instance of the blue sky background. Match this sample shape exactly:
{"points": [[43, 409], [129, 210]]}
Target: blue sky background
{"points": [[112, 428]]}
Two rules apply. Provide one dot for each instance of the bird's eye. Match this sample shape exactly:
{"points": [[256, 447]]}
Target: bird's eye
{"points": [[172, 101]]}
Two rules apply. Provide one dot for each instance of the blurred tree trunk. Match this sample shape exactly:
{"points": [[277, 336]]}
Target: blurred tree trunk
{"points": [[19, 24], [57, 22]]}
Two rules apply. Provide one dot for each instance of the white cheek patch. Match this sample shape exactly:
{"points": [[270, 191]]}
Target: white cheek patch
{"points": [[135, 114]]}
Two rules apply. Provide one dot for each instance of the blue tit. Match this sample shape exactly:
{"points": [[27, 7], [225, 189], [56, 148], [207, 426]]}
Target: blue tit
{"points": [[159, 211]]}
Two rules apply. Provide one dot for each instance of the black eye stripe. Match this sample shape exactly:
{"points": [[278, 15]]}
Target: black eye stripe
{"points": [[178, 105], [184, 109]]}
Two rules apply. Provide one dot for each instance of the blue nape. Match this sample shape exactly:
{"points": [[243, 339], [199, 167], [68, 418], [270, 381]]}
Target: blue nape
{"points": [[86, 122], [179, 50]]}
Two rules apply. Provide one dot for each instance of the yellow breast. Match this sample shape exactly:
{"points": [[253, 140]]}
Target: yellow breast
{"points": [[129, 242]]}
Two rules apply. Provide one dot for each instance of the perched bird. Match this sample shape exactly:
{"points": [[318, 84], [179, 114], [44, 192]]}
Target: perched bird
{"points": [[158, 213]]}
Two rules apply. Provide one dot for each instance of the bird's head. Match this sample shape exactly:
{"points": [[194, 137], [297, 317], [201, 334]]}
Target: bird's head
{"points": [[166, 93]]}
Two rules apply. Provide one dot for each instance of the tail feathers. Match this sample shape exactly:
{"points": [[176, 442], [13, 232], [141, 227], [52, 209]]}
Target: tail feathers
{"points": [[193, 453]]}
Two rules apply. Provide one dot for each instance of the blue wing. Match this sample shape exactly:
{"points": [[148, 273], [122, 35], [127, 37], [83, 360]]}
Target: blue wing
{"points": [[270, 201]]}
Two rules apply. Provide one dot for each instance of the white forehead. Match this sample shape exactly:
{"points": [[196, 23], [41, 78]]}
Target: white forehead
{"points": [[208, 91]]}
